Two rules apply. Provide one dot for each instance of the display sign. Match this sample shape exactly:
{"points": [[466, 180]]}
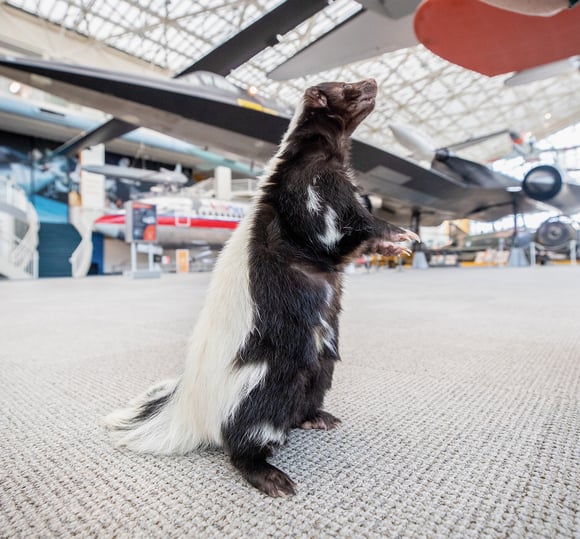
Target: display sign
{"points": [[182, 261], [140, 222]]}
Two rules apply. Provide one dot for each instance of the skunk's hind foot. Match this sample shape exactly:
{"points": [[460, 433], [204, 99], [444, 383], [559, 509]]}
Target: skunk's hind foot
{"points": [[265, 477]]}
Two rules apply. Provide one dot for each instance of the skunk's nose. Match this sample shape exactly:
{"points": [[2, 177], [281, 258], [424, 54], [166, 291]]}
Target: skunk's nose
{"points": [[369, 86]]}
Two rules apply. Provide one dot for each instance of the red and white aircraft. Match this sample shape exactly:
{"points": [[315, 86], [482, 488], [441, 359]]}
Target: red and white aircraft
{"points": [[187, 217]]}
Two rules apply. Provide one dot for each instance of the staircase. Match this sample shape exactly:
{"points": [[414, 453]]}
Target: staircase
{"points": [[56, 245], [18, 233], [82, 219]]}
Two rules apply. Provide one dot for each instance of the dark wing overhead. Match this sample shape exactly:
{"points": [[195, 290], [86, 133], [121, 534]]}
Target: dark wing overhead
{"points": [[108, 131], [259, 35], [471, 173]]}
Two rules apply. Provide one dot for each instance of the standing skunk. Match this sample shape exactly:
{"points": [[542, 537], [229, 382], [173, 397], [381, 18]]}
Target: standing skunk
{"points": [[263, 351]]}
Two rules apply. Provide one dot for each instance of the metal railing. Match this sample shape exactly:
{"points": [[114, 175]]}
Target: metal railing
{"points": [[19, 255], [82, 219]]}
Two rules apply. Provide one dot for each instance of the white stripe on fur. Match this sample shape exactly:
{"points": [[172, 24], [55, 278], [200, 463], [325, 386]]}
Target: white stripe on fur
{"points": [[314, 203], [332, 234], [265, 433]]}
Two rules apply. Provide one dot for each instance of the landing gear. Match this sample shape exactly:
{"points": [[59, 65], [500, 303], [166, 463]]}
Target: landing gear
{"points": [[517, 257], [419, 256]]}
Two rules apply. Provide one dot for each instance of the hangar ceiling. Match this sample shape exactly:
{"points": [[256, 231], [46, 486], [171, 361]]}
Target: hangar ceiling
{"points": [[416, 87]]}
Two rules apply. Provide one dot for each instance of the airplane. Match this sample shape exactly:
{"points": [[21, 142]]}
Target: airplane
{"points": [[410, 195], [544, 187], [552, 240], [190, 217], [378, 27], [160, 177], [54, 122], [423, 147], [533, 47]]}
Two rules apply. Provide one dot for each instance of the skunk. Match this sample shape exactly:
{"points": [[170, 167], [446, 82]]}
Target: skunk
{"points": [[262, 354]]}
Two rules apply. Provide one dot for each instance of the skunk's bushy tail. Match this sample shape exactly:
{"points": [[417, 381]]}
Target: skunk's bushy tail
{"points": [[147, 425]]}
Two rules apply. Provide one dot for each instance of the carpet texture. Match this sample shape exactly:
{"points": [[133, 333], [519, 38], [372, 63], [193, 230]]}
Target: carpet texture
{"points": [[459, 392]]}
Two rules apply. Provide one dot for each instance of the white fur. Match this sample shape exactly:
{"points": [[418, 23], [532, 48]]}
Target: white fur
{"points": [[123, 418], [265, 433], [332, 234], [329, 294], [327, 335], [314, 203], [211, 387]]}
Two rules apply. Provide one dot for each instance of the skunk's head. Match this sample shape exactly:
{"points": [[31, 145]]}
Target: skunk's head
{"points": [[346, 103]]}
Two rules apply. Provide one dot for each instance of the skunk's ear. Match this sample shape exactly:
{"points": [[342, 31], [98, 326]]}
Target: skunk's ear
{"points": [[314, 98]]}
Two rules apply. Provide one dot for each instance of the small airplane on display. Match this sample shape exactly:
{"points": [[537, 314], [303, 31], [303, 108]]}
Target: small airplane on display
{"points": [[552, 241], [544, 187], [407, 193], [190, 217], [132, 174]]}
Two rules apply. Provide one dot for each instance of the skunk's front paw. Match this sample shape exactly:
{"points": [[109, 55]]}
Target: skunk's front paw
{"points": [[402, 234], [321, 421], [386, 248]]}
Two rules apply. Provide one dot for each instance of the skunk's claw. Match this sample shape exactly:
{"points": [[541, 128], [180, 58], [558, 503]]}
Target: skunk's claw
{"points": [[405, 235], [387, 248]]}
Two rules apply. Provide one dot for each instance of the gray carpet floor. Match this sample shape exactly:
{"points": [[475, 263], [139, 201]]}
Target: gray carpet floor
{"points": [[459, 392]]}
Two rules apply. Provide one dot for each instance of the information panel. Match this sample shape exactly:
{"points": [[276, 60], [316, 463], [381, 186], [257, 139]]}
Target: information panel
{"points": [[141, 222], [182, 261]]}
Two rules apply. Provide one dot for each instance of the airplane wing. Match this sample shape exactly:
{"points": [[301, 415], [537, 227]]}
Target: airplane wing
{"points": [[366, 34], [109, 130], [408, 189], [169, 106], [257, 36], [246, 134]]}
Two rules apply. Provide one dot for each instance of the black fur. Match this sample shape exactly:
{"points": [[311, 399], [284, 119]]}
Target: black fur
{"points": [[296, 278], [152, 407]]}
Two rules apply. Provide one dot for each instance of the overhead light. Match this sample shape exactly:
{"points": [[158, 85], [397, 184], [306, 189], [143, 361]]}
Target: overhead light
{"points": [[514, 189], [547, 116], [14, 87], [252, 90]]}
